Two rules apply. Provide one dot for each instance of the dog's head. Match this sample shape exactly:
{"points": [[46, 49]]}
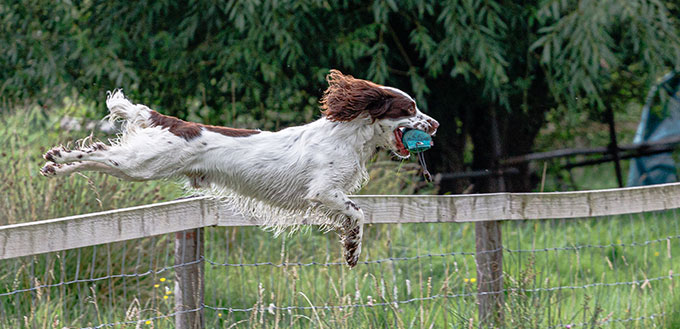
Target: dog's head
{"points": [[388, 109]]}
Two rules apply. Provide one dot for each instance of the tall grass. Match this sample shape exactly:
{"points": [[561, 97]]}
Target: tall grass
{"points": [[421, 261], [27, 196], [607, 255], [422, 281]]}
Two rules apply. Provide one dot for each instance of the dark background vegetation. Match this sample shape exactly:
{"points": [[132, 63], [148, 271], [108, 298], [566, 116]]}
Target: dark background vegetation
{"points": [[262, 64]]}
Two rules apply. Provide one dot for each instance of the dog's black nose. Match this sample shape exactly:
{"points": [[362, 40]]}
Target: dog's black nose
{"points": [[433, 125]]}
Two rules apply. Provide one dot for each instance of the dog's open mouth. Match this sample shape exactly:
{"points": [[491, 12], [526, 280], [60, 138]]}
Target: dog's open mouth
{"points": [[401, 149]]}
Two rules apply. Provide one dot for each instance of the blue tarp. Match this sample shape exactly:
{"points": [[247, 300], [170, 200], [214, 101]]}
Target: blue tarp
{"points": [[660, 120]]}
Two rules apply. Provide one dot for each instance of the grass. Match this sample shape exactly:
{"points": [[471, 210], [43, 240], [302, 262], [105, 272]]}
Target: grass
{"points": [[25, 136], [610, 261], [423, 280]]}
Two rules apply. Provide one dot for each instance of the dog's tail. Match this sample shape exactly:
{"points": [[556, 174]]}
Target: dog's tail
{"points": [[120, 108]]}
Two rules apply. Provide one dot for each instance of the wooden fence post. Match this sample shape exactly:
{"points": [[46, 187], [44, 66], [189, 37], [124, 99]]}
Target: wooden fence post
{"points": [[189, 279], [489, 260], [489, 245]]}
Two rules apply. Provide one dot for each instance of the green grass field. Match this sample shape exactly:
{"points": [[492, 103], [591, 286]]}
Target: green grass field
{"points": [[614, 272]]}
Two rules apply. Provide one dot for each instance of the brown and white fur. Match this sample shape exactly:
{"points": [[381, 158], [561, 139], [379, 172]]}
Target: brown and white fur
{"points": [[294, 176]]}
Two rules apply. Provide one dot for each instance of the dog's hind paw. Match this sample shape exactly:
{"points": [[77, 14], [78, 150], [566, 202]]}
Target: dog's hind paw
{"points": [[49, 169], [52, 169], [55, 155]]}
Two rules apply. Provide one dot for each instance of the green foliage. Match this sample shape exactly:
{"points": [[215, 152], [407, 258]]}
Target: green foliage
{"points": [[475, 34], [584, 45], [242, 55], [262, 63]]}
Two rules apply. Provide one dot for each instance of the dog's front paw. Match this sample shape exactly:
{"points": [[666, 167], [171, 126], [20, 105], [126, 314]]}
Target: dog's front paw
{"points": [[352, 243]]}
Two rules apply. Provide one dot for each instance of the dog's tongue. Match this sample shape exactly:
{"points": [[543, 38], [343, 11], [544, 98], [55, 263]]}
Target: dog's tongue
{"points": [[403, 151], [400, 145]]}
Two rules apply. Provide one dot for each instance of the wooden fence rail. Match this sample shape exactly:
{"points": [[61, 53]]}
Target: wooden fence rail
{"points": [[189, 216], [168, 217]]}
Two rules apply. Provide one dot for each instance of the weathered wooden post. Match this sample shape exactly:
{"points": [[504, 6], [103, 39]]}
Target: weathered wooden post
{"points": [[189, 279], [489, 260], [489, 246]]}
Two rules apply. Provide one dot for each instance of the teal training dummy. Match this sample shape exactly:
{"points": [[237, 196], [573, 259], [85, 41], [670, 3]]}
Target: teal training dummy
{"points": [[417, 141]]}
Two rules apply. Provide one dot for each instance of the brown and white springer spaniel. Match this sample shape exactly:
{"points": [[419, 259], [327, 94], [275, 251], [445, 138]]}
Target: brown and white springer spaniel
{"points": [[298, 175]]}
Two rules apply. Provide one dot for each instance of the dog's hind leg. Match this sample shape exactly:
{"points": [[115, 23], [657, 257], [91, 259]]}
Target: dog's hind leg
{"points": [[98, 152], [127, 162], [52, 169]]}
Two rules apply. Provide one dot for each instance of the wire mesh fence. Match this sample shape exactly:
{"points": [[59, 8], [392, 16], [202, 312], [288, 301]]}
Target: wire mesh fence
{"points": [[611, 272], [87, 287]]}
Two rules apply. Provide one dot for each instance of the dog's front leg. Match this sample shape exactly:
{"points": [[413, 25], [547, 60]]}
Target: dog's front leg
{"points": [[352, 225], [352, 234]]}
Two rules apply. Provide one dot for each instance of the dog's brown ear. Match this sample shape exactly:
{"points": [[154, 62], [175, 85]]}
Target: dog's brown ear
{"points": [[346, 98]]}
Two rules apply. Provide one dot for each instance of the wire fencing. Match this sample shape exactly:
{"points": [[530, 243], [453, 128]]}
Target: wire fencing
{"points": [[604, 272], [418, 274]]}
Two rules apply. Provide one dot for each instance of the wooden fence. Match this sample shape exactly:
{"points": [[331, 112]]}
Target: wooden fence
{"points": [[187, 217]]}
